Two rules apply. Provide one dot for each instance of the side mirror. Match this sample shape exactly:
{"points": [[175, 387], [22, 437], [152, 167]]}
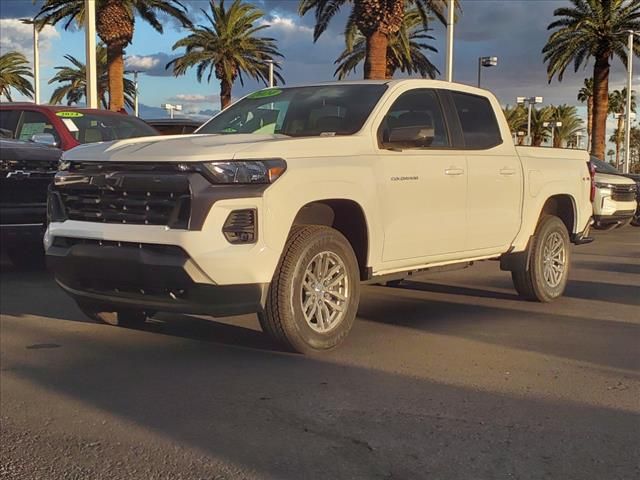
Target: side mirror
{"points": [[411, 137], [44, 139]]}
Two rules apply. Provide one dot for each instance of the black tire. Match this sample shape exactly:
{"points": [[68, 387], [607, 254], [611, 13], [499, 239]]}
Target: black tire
{"points": [[27, 257], [113, 316], [283, 319], [529, 280]]}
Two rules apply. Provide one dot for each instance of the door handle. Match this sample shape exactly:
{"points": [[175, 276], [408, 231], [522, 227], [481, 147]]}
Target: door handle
{"points": [[507, 171], [453, 171]]}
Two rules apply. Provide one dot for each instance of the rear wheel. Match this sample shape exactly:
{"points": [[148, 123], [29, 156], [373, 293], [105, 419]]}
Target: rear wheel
{"points": [[544, 276], [314, 294], [113, 316]]}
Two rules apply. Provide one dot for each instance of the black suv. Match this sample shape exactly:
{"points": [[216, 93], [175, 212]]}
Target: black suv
{"points": [[26, 171]]}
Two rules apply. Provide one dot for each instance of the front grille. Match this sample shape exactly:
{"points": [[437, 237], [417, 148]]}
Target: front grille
{"points": [[140, 194], [68, 242], [136, 207], [624, 193]]}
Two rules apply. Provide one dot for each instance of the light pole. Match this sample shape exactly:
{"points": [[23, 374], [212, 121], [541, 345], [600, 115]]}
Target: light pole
{"points": [[171, 108], [627, 127], [485, 62], [90, 49], [552, 126], [36, 59], [36, 66], [137, 90], [530, 101], [270, 62], [451, 17]]}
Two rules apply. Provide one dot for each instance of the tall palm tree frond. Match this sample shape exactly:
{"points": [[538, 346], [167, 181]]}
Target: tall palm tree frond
{"points": [[14, 74], [592, 29], [228, 46], [115, 21]]}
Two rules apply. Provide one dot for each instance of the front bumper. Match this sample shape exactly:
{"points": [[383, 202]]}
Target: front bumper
{"points": [[19, 234], [617, 217], [147, 277]]}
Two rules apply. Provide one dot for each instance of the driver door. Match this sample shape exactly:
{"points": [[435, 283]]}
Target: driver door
{"points": [[423, 190]]}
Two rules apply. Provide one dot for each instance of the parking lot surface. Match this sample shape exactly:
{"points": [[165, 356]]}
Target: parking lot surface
{"points": [[450, 376]]}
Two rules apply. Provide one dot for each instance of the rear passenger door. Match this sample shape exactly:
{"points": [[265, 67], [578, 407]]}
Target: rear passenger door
{"points": [[494, 192]]}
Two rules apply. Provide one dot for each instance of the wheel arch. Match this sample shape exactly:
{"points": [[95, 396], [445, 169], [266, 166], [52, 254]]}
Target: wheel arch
{"points": [[345, 215]]}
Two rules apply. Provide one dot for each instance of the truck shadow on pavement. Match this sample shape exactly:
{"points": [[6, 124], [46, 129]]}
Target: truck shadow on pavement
{"points": [[290, 417]]}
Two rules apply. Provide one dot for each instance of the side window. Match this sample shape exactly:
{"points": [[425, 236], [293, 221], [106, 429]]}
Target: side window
{"points": [[479, 125], [416, 108], [8, 121], [33, 123]]}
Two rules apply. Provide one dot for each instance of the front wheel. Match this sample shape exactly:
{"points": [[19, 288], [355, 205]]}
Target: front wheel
{"points": [[313, 297], [544, 276]]}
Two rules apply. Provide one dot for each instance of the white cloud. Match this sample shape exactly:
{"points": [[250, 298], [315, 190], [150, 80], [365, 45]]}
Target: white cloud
{"points": [[18, 36], [194, 102], [286, 24], [139, 62], [193, 98]]}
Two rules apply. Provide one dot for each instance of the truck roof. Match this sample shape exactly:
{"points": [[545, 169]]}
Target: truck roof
{"points": [[58, 108], [427, 83]]}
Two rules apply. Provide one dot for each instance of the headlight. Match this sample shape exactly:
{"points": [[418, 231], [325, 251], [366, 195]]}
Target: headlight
{"points": [[603, 185], [245, 171]]}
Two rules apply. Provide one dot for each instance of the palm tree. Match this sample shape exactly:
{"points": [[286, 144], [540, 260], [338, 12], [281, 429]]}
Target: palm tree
{"points": [[592, 28], [377, 21], [74, 81], [115, 22], [571, 124], [228, 46], [14, 73], [585, 94], [539, 116], [617, 106], [610, 153], [517, 119], [404, 51]]}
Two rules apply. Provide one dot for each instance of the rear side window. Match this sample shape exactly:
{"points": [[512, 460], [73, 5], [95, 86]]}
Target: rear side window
{"points": [[479, 125], [8, 123], [34, 123]]}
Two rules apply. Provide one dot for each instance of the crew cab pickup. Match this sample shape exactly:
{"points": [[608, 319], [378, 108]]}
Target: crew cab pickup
{"points": [[285, 202]]}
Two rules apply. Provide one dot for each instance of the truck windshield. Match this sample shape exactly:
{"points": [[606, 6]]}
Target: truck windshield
{"points": [[95, 127], [299, 112]]}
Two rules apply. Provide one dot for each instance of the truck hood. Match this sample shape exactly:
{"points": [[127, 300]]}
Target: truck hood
{"points": [[202, 148], [183, 148], [613, 179]]}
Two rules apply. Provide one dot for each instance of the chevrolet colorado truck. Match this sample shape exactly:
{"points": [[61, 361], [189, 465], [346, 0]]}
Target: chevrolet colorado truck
{"points": [[285, 202]]}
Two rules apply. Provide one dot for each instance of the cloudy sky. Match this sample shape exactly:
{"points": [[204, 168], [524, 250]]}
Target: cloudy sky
{"points": [[513, 30]]}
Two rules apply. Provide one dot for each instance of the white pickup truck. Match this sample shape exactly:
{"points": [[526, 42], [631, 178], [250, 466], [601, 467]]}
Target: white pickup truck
{"points": [[284, 203]]}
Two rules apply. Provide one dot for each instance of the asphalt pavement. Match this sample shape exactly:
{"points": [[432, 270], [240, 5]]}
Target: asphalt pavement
{"points": [[450, 376]]}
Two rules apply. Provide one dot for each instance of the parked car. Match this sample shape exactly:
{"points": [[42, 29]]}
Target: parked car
{"points": [[615, 203], [175, 126], [67, 127], [26, 171], [636, 178], [290, 198]]}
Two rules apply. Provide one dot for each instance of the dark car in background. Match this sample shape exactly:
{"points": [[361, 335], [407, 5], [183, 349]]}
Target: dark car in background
{"points": [[175, 126], [68, 127], [636, 178], [26, 170]]}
